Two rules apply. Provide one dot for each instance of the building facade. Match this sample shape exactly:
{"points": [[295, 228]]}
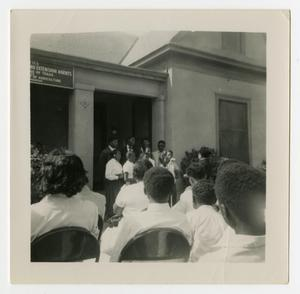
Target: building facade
{"points": [[189, 88]]}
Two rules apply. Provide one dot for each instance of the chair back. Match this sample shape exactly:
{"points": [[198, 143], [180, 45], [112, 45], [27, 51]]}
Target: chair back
{"points": [[158, 244], [65, 244]]}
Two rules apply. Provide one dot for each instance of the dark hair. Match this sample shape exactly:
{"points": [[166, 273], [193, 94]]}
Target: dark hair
{"points": [[159, 183], [236, 186], [62, 172], [111, 139], [114, 152], [147, 163], [130, 137], [205, 152], [170, 151], [203, 192], [128, 153], [161, 142], [196, 170], [140, 167], [224, 162]]}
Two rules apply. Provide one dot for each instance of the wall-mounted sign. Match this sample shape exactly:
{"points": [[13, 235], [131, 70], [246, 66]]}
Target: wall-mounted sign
{"points": [[51, 74]]}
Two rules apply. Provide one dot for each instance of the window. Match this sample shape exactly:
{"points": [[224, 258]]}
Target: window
{"points": [[233, 128]]}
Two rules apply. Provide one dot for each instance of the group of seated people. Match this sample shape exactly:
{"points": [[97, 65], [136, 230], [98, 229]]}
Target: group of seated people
{"points": [[223, 221]]}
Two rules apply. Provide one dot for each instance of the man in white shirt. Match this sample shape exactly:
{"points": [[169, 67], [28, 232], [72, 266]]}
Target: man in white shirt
{"points": [[195, 172], [104, 157], [158, 187], [132, 198], [207, 224], [241, 192], [161, 146]]}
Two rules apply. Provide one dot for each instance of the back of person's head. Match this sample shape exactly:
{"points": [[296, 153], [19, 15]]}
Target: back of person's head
{"points": [[159, 183], [139, 169], [147, 163], [224, 162], [196, 170], [62, 172], [241, 191], [130, 155], [205, 152], [203, 193]]}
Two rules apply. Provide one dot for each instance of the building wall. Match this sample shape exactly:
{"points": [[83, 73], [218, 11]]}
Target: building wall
{"points": [[253, 45], [191, 111]]}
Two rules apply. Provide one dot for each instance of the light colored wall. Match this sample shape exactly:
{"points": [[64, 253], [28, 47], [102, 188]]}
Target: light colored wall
{"points": [[255, 47], [191, 111], [211, 42], [199, 40]]}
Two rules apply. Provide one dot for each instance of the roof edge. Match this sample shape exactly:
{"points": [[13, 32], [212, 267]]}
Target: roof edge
{"points": [[97, 65]]}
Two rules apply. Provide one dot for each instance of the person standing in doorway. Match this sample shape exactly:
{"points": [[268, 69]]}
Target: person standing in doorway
{"points": [[104, 157], [157, 155], [114, 180], [130, 147]]}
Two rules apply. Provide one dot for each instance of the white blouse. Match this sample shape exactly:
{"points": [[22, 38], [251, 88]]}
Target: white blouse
{"points": [[113, 169]]}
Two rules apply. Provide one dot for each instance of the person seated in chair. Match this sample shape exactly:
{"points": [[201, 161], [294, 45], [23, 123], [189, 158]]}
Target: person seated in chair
{"points": [[158, 184], [132, 198], [63, 176], [98, 199], [194, 172], [241, 192], [207, 224]]}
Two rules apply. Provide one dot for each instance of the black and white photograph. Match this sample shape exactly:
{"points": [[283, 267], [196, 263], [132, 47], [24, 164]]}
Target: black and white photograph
{"points": [[150, 147]]}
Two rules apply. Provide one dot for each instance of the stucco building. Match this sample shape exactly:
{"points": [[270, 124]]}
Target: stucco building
{"points": [[189, 88]]}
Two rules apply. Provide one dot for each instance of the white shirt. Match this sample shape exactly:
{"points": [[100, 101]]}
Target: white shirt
{"points": [[98, 199], [132, 198], [172, 167], [185, 203], [56, 211], [128, 168], [207, 227], [112, 169], [152, 161], [156, 216], [156, 154], [236, 248]]}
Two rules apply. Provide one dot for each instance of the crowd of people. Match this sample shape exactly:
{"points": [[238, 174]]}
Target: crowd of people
{"points": [[222, 217]]}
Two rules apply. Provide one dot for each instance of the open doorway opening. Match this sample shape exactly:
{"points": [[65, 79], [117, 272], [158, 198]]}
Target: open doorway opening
{"points": [[128, 115]]}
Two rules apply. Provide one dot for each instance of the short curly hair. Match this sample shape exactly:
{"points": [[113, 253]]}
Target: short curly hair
{"points": [[140, 167], [203, 192], [197, 170], [205, 151], [62, 172], [237, 184], [159, 184]]}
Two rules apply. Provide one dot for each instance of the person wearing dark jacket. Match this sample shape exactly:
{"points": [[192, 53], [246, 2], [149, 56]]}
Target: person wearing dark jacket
{"points": [[104, 157]]}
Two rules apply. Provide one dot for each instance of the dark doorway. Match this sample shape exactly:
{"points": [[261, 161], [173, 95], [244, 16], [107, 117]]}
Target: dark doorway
{"points": [[129, 115], [49, 109], [233, 129]]}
